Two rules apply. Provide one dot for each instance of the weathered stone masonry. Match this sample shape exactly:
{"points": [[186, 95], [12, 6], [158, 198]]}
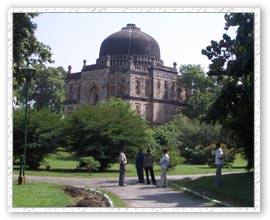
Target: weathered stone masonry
{"points": [[129, 67]]}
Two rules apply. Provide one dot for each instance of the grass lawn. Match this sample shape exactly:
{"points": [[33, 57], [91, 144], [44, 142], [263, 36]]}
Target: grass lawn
{"points": [[41, 195], [237, 189], [63, 164], [36, 194]]}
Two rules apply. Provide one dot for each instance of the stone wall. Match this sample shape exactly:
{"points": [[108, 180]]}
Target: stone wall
{"points": [[152, 92]]}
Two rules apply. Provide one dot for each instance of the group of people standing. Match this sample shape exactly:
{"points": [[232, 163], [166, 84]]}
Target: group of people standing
{"points": [[145, 162]]}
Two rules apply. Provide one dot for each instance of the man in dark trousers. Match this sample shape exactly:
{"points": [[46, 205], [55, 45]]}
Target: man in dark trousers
{"points": [[148, 165], [139, 165]]}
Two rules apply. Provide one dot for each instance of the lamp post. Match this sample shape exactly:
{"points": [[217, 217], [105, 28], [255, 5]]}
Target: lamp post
{"points": [[28, 73]]}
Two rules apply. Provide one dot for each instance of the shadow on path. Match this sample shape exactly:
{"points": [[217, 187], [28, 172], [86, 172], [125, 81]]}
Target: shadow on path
{"points": [[137, 195]]}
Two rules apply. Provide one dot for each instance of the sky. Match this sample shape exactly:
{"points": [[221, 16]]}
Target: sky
{"points": [[74, 37]]}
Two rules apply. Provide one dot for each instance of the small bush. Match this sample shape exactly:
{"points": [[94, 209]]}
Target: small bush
{"points": [[195, 156], [89, 163]]}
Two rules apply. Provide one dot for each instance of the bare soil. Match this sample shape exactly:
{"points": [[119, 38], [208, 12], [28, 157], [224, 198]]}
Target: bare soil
{"points": [[86, 198]]}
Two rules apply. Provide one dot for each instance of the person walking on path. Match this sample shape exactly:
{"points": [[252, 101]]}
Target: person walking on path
{"points": [[148, 164], [139, 165], [219, 160], [164, 163], [122, 162]]}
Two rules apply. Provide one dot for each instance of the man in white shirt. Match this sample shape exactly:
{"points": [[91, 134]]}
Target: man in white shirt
{"points": [[122, 162], [164, 163], [219, 160]]}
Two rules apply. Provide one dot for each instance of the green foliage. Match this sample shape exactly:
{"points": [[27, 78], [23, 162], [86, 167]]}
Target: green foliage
{"points": [[26, 48], [191, 137], [46, 89], [202, 90], [195, 156], [233, 65], [174, 156], [89, 163], [49, 88], [42, 135], [101, 130], [229, 154]]}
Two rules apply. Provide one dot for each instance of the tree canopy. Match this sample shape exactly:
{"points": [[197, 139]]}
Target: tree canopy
{"points": [[202, 90], [100, 131], [42, 136], [26, 48], [233, 64], [48, 88], [191, 137]]}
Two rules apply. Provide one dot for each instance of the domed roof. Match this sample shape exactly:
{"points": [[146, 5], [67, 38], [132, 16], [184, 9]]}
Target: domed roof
{"points": [[130, 40]]}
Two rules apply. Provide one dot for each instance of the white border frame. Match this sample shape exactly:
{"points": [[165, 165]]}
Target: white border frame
{"points": [[257, 99]]}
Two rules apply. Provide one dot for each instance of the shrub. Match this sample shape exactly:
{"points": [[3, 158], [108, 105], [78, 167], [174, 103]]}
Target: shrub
{"points": [[195, 156], [89, 163], [229, 155], [174, 156]]}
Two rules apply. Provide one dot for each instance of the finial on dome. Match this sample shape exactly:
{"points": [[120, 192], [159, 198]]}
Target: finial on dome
{"points": [[174, 65], [131, 26], [69, 69], [84, 64]]}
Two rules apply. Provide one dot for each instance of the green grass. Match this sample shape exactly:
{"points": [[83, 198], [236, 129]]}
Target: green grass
{"points": [[63, 164], [237, 189], [35, 194], [61, 160], [117, 201], [39, 194]]}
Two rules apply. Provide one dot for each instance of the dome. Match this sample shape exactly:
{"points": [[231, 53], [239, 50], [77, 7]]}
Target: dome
{"points": [[130, 40]]}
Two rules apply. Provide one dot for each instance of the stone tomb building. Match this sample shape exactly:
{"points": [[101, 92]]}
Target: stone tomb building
{"points": [[129, 66]]}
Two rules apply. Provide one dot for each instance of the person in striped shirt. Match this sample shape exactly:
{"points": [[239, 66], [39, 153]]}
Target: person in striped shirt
{"points": [[148, 164]]}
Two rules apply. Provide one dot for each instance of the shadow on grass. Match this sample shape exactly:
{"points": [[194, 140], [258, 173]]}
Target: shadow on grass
{"points": [[68, 170], [236, 190], [68, 158], [226, 167]]}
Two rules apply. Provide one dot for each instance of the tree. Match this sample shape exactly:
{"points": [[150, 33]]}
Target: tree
{"points": [[42, 136], [191, 137], [26, 48], [100, 131], [48, 88], [233, 65], [202, 90]]}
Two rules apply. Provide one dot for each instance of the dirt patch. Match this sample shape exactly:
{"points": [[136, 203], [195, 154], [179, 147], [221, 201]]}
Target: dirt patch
{"points": [[86, 198]]}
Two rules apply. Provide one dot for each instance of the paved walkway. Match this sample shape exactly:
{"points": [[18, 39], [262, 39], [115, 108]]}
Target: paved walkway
{"points": [[136, 195]]}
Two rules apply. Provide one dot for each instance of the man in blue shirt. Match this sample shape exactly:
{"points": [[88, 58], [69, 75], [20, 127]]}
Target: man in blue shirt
{"points": [[139, 165]]}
